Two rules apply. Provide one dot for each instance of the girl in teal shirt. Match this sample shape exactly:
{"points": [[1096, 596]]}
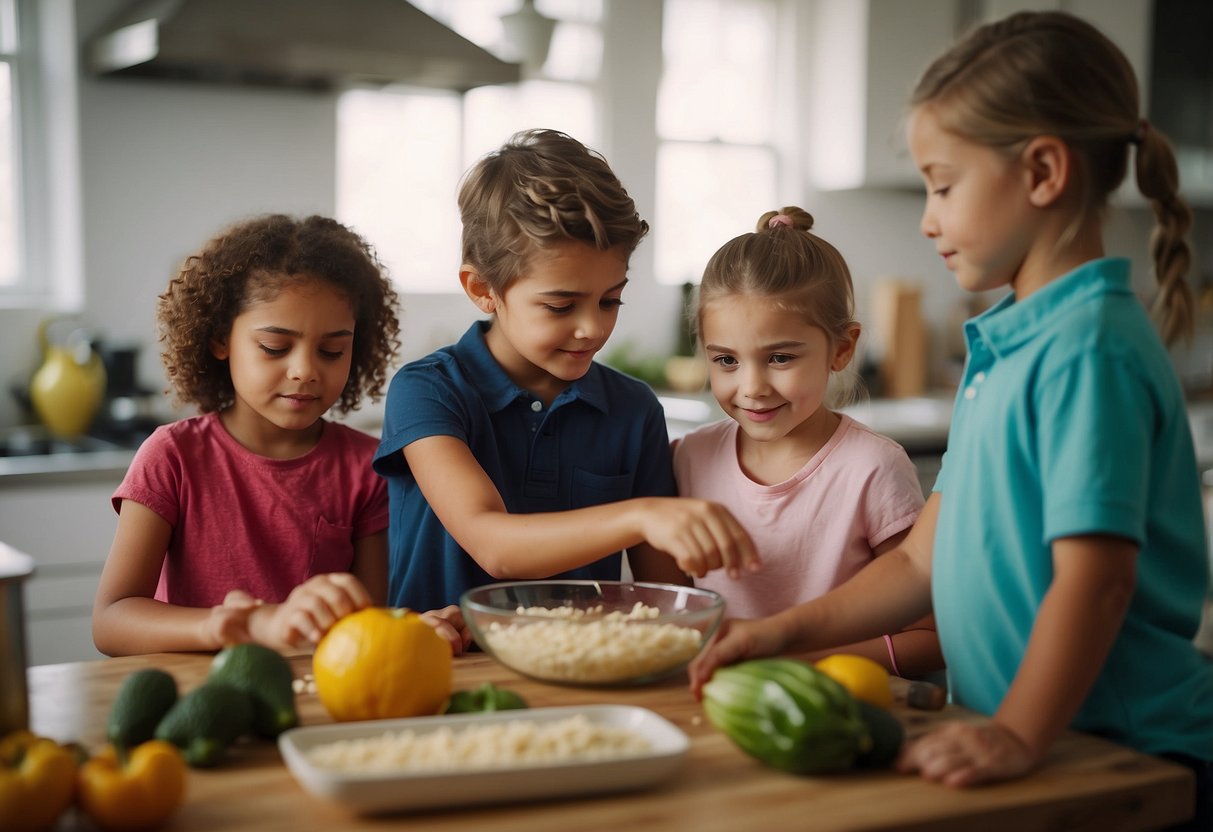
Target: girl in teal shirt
{"points": [[1063, 549]]}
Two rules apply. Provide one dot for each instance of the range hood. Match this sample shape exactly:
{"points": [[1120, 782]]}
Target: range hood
{"points": [[308, 44]]}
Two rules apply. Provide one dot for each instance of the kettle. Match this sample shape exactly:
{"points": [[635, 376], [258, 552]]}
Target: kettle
{"points": [[67, 390]]}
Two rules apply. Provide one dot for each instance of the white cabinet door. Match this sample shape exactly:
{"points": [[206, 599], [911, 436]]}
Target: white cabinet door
{"points": [[67, 528]]}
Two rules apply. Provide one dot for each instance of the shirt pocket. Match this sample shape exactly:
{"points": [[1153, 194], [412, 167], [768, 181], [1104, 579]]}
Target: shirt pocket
{"points": [[590, 489], [332, 548]]}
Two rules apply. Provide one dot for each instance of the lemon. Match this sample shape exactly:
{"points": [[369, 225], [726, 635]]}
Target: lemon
{"points": [[865, 679]]}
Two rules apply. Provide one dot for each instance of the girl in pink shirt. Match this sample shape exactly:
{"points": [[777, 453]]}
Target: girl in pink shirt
{"points": [[820, 494], [259, 520]]}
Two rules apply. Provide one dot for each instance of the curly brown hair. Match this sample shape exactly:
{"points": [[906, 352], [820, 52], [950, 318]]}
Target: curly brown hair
{"points": [[542, 187], [253, 261]]}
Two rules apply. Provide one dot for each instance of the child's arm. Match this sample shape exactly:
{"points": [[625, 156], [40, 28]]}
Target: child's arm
{"points": [[911, 652], [127, 619], [1078, 621], [890, 593], [699, 535]]}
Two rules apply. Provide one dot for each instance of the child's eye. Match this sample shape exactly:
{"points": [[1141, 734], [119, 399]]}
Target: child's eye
{"points": [[942, 191], [611, 303], [331, 355], [725, 360], [781, 358], [558, 310], [273, 351]]}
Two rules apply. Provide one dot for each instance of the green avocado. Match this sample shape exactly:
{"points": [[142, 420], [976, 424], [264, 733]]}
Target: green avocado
{"points": [[266, 676], [142, 701], [207, 720]]}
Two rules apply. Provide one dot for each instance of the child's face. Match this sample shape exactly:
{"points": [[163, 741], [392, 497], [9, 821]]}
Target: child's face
{"points": [[976, 213], [289, 358], [768, 367], [551, 322]]}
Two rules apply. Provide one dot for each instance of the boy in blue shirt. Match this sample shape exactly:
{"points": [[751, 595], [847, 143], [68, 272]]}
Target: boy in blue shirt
{"points": [[512, 454]]}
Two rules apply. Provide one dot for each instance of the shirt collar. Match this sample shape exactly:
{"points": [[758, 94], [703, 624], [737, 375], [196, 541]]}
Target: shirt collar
{"points": [[498, 390], [1009, 324]]}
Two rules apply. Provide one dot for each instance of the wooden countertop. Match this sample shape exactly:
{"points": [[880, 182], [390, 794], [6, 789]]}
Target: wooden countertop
{"points": [[1086, 784]]}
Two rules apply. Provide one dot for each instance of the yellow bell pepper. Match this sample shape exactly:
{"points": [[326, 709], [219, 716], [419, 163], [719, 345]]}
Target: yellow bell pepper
{"points": [[136, 793], [37, 781]]}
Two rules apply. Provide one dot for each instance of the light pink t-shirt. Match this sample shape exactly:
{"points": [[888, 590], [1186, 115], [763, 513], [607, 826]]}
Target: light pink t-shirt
{"points": [[813, 531], [243, 521]]}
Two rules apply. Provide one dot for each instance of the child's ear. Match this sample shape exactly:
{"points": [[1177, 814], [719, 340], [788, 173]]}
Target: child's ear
{"points": [[844, 349], [478, 289], [219, 350], [1048, 166]]}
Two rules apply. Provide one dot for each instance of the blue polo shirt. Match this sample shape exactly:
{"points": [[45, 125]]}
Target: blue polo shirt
{"points": [[1070, 421], [603, 439]]}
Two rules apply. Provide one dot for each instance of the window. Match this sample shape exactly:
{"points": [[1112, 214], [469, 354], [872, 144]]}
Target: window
{"points": [[715, 113], [401, 151], [10, 246], [41, 263]]}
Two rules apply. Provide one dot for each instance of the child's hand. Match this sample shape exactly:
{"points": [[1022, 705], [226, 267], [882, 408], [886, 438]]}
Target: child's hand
{"points": [[700, 536], [962, 754], [228, 623], [737, 639], [449, 623], [312, 608]]}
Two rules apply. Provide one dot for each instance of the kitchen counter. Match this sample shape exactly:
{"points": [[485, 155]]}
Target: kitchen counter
{"points": [[1086, 783]]}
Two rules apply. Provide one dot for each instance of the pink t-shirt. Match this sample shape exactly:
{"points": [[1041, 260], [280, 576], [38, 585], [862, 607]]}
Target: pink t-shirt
{"points": [[816, 529], [243, 521]]}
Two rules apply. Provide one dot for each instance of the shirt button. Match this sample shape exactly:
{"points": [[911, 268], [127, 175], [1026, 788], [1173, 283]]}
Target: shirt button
{"points": [[970, 393], [536, 406], [979, 378]]}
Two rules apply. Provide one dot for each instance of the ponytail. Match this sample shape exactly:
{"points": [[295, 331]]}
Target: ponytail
{"points": [[1158, 181]]}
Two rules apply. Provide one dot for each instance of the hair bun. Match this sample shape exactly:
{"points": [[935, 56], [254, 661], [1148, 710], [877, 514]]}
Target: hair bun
{"points": [[790, 216]]}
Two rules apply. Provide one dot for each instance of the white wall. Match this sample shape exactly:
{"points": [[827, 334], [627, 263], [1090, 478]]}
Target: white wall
{"points": [[164, 165]]}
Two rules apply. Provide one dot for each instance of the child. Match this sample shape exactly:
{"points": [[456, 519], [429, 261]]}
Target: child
{"points": [[258, 520], [511, 454], [1063, 548], [820, 494]]}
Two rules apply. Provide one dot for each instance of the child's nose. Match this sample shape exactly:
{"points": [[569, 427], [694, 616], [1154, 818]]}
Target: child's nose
{"points": [[927, 225], [753, 382], [302, 367], [589, 327]]}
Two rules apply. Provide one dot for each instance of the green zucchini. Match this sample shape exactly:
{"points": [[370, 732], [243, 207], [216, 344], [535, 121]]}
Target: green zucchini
{"points": [[787, 714]]}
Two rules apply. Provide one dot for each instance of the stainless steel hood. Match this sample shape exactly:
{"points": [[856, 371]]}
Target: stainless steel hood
{"points": [[310, 44]]}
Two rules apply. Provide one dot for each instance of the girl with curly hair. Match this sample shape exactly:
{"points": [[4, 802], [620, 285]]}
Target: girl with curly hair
{"points": [[259, 519]]}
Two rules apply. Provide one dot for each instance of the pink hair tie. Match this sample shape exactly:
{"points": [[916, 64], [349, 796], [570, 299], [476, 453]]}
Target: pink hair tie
{"points": [[780, 219]]}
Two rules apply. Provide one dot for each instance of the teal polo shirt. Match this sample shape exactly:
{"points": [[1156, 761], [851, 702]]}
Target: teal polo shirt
{"points": [[1070, 421], [602, 439]]}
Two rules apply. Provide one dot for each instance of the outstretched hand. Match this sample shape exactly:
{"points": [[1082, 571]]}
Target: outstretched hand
{"points": [[701, 536], [966, 754], [310, 610], [737, 639]]}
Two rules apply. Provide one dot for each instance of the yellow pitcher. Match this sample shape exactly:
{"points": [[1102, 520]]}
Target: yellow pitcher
{"points": [[69, 387]]}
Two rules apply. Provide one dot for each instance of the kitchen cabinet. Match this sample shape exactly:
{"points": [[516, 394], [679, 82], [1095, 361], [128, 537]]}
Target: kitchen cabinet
{"points": [[66, 524], [864, 57]]}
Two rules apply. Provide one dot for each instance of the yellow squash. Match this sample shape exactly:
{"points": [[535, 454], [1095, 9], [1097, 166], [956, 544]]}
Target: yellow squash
{"points": [[37, 781], [382, 663], [136, 793]]}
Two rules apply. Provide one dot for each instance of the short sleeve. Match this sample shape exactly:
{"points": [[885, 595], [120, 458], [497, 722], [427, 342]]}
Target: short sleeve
{"points": [[655, 466], [421, 402], [893, 499], [154, 477], [1095, 420]]}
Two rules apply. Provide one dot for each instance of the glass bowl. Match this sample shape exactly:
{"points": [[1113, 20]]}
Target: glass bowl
{"points": [[592, 633]]}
